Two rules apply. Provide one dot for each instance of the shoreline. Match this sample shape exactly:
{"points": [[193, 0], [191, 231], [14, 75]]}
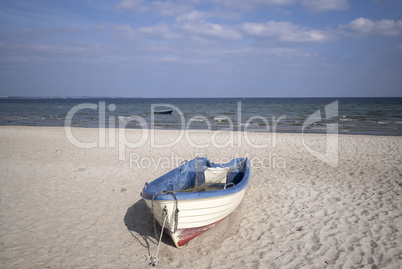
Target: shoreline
{"points": [[204, 130], [66, 207]]}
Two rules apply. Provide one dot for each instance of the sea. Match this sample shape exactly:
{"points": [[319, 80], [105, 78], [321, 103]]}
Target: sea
{"points": [[368, 116]]}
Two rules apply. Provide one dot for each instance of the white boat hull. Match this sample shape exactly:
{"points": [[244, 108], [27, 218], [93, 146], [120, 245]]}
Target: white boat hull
{"points": [[195, 215]]}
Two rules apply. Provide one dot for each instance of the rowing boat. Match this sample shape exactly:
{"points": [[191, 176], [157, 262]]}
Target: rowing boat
{"points": [[195, 196], [163, 111]]}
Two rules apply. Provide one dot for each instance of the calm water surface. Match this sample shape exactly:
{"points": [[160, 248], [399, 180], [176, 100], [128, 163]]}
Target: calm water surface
{"points": [[373, 116]]}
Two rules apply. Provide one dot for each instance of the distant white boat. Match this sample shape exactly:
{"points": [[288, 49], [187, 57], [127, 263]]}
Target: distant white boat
{"points": [[222, 119]]}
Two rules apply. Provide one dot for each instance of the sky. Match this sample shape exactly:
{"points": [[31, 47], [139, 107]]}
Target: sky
{"points": [[194, 48]]}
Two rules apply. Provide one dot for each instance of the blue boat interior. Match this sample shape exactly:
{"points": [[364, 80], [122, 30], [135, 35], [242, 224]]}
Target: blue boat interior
{"points": [[190, 177]]}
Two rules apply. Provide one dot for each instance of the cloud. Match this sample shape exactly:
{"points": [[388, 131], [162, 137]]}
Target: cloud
{"points": [[263, 52], [284, 32], [134, 6], [160, 8], [206, 30], [159, 31], [125, 30], [192, 27], [169, 8], [325, 5], [195, 30], [178, 8], [366, 27], [193, 16], [250, 5]]}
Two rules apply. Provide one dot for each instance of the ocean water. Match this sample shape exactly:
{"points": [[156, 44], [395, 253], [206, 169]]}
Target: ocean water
{"points": [[372, 116]]}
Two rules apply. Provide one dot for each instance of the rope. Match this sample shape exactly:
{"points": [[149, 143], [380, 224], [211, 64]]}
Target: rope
{"points": [[239, 165], [196, 172], [151, 259], [175, 213]]}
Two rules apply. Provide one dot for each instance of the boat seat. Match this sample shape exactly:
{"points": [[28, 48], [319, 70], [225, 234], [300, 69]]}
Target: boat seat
{"points": [[216, 175], [223, 176]]}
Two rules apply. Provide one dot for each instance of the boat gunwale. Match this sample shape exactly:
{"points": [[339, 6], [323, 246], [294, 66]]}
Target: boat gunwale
{"points": [[146, 194]]}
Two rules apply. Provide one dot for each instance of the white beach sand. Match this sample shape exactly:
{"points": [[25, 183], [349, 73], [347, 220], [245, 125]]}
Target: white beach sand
{"points": [[63, 206]]}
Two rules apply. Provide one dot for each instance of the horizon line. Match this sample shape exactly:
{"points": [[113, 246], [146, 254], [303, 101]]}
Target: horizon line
{"points": [[130, 97]]}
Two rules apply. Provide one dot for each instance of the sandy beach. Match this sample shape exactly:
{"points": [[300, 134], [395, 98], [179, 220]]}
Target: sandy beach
{"points": [[67, 206]]}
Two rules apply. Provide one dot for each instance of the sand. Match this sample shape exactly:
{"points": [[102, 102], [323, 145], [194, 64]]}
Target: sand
{"points": [[63, 206]]}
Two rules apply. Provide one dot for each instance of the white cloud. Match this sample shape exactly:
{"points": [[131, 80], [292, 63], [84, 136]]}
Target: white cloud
{"points": [[187, 9], [177, 8], [365, 27], [264, 51], [198, 15], [192, 16], [325, 5], [251, 4], [194, 30], [160, 31], [135, 6], [160, 8], [284, 32], [169, 8], [125, 30], [207, 30], [192, 27]]}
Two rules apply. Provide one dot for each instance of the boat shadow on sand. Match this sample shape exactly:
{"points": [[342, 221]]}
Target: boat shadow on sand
{"points": [[139, 222]]}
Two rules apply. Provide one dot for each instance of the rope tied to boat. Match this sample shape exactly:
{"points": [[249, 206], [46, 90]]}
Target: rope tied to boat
{"points": [[151, 259], [175, 214]]}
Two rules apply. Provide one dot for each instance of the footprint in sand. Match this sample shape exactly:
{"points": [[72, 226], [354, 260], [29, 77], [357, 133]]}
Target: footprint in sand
{"points": [[313, 243], [357, 257], [332, 256]]}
